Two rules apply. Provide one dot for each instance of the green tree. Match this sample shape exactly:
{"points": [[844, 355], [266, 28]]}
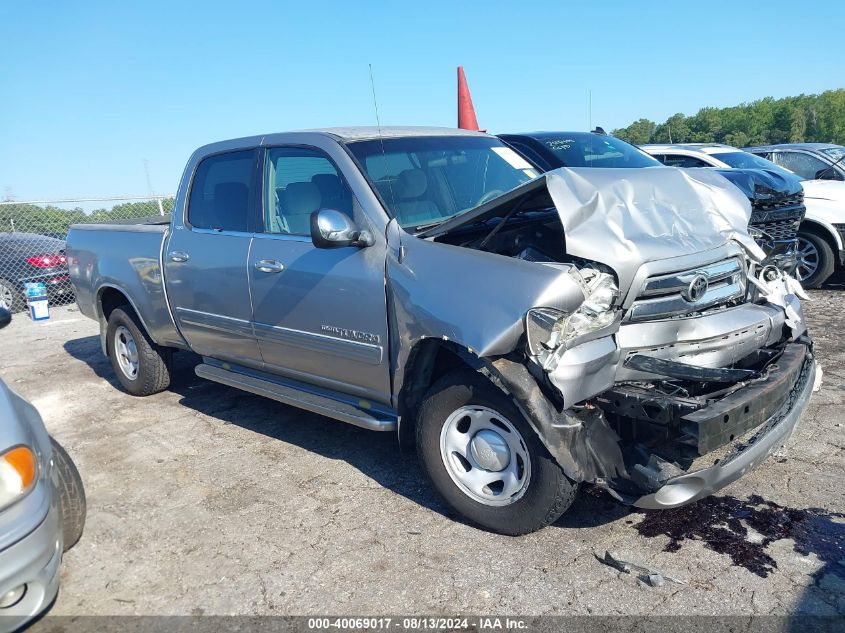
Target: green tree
{"points": [[814, 118]]}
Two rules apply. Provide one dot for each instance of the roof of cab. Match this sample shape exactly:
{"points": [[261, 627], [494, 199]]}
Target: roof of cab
{"points": [[341, 134]]}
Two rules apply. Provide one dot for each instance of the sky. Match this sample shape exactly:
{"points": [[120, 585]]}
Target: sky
{"points": [[92, 92]]}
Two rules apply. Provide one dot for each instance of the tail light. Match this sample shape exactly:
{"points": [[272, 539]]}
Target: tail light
{"points": [[47, 261]]}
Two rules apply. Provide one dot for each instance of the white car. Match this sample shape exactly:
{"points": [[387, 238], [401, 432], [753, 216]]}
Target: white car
{"points": [[821, 236]]}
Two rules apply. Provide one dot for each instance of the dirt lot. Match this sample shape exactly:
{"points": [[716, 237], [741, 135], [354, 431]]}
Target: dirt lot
{"points": [[204, 499]]}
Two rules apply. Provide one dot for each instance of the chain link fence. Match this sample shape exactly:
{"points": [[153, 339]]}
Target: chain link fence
{"points": [[32, 240]]}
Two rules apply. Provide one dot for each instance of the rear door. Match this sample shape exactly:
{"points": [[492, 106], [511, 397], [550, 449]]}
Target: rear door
{"points": [[320, 315], [206, 259]]}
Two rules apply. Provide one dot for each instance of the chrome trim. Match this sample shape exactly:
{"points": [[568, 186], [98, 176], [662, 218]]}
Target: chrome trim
{"points": [[313, 342], [216, 322], [664, 295]]}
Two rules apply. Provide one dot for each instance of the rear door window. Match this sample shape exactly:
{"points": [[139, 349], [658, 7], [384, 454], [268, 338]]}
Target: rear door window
{"points": [[221, 192]]}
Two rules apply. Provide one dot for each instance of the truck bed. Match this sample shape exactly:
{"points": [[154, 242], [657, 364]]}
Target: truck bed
{"points": [[124, 258]]}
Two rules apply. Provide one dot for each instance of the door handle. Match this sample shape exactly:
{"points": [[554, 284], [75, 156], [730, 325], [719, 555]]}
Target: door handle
{"points": [[179, 256], [269, 266]]}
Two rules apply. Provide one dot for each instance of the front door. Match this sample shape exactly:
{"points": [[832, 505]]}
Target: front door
{"points": [[320, 315], [205, 262]]}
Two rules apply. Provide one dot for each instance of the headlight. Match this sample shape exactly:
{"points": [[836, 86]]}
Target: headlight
{"points": [[18, 471], [547, 329]]}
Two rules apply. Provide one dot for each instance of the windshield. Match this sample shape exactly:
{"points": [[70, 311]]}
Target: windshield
{"points": [[582, 149], [427, 179], [835, 153], [744, 160]]}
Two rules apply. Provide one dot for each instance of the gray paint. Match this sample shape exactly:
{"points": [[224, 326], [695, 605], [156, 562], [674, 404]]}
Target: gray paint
{"points": [[30, 532], [302, 323]]}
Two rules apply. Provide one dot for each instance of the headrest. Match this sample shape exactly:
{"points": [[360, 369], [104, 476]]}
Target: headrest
{"points": [[328, 184], [411, 183], [301, 198]]}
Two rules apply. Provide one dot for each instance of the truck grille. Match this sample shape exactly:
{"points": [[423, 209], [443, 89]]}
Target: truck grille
{"points": [[778, 218], [685, 292], [779, 230]]}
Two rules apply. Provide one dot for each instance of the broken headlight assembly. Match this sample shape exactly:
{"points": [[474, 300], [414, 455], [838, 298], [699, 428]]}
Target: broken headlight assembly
{"points": [[548, 329]]}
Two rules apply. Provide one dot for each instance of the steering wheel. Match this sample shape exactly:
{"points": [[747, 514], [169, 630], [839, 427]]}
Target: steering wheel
{"points": [[487, 197]]}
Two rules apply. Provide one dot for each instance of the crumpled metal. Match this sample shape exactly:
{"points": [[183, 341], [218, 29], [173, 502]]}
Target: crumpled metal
{"points": [[626, 217]]}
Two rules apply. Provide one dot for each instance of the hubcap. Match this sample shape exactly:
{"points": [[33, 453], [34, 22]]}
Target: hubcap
{"points": [[485, 456], [808, 259], [126, 352]]}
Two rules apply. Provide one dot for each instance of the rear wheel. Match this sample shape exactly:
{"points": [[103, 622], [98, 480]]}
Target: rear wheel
{"points": [[71, 496], [486, 460], [815, 260], [10, 298], [142, 367]]}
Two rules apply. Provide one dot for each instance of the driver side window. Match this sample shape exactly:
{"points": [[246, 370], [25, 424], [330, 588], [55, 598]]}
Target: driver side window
{"points": [[297, 182]]}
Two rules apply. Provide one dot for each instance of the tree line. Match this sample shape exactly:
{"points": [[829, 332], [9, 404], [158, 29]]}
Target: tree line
{"points": [[806, 118], [55, 221]]}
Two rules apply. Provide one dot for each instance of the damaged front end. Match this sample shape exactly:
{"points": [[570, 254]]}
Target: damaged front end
{"points": [[689, 406], [687, 360]]}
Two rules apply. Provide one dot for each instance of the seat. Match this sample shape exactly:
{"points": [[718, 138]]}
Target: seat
{"points": [[411, 208], [333, 192], [299, 201]]}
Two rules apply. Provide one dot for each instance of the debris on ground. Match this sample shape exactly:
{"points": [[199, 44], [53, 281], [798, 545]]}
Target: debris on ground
{"points": [[646, 575]]}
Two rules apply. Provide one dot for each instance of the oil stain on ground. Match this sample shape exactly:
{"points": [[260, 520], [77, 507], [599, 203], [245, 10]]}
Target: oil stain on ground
{"points": [[727, 525]]}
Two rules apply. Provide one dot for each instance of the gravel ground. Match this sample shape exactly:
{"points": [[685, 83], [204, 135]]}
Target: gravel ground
{"points": [[206, 500]]}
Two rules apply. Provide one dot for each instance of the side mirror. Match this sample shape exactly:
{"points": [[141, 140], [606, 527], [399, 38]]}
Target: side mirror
{"points": [[5, 318], [827, 173], [333, 229]]}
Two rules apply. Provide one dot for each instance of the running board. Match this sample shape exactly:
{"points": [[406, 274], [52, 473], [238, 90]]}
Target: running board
{"points": [[308, 397]]}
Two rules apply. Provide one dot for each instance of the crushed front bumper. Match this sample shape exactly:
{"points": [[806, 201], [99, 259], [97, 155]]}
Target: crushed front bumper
{"points": [[771, 435]]}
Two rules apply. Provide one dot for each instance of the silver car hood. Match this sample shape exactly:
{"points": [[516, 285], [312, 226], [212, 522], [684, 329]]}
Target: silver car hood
{"points": [[626, 217]]}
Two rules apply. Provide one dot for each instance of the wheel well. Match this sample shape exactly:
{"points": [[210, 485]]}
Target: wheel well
{"points": [[821, 231], [429, 360], [111, 298]]}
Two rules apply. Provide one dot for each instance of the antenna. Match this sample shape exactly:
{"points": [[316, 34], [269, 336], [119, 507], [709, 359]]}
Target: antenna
{"points": [[590, 111], [380, 138]]}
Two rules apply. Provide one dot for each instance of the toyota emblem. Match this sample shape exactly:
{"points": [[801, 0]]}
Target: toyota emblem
{"points": [[696, 289]]}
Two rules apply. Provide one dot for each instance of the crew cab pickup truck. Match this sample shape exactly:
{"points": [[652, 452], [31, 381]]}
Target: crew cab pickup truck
{"points": [[527, 332]]}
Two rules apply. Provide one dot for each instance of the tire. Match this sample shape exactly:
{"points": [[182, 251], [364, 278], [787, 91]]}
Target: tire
{"points": [[545, 494], [134, 349], [71, 496], [11, 297], [815, 258]]}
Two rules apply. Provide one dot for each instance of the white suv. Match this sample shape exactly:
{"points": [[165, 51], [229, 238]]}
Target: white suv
{"points": [[821, 236]]}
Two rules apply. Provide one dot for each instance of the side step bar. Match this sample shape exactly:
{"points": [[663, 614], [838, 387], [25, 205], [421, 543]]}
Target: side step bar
{"points": [[308, 397]]}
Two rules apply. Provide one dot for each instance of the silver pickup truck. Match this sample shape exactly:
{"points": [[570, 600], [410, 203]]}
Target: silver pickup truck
{"points": [[528, 332]]}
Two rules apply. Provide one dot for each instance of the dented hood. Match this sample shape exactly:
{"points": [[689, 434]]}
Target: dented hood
{"points": [[626, 217]]}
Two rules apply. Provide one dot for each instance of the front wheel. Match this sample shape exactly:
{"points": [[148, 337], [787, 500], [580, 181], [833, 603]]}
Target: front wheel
{"points": [[485, 460], [815, 260], [71, 496]]}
